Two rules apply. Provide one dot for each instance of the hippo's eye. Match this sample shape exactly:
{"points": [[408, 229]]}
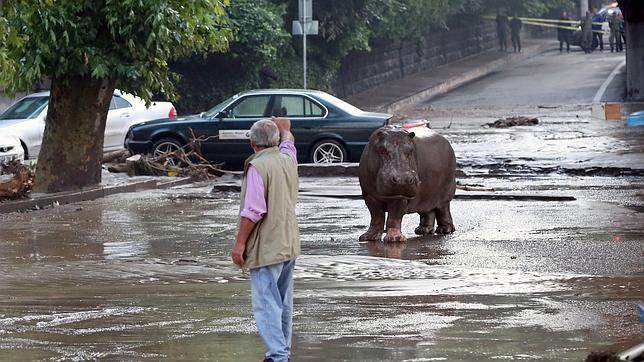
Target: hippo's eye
{"points": [[382, 151]]}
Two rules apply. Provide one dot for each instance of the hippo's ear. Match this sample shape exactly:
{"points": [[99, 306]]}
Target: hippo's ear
{"points": [[412, 135], [379, 135]]}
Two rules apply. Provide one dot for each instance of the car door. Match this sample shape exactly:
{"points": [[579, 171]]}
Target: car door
{"points": [[233, 144], [118, 122]]}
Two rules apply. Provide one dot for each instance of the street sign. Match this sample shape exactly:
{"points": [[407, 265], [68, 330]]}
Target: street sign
{"points": [[311, 27]]}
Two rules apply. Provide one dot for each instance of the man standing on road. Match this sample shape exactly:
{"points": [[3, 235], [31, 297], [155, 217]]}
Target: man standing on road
{"points": [[615, 38], [564, 34], [515, 33], [598, 36], [502, 31], [268, 236], [621, 31]]}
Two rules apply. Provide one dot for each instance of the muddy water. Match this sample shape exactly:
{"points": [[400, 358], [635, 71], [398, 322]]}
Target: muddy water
{"points": [[147, 276]]}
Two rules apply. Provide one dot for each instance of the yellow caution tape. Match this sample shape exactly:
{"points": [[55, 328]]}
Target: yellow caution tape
{"points": [[551, 20], [552, 23]]}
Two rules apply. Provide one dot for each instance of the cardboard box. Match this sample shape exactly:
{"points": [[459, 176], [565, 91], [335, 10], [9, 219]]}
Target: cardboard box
{"points": [[613, 111], [607, 111]]}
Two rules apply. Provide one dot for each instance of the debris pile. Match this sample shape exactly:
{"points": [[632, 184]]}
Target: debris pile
{"points": [[20, 184], [513, 121], [184, 162]]}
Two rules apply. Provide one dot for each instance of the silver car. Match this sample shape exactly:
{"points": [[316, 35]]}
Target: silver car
{"points": [[25, 119]]}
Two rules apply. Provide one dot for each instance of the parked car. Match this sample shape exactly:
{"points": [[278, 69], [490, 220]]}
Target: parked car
{"points": [[326, 129], [10, 149], [26, 119]]}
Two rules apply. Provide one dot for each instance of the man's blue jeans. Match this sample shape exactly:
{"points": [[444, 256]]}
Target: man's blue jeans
{"points": [[272, 295]]}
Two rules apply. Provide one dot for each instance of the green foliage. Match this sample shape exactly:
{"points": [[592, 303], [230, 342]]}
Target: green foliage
{"points": [[7, 36], [534, 8], [127, 41], [259, 41]]}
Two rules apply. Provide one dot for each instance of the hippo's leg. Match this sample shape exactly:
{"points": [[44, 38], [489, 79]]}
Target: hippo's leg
{"points": [[444, 222], [395, 212], [426, 223], [377, 224]]}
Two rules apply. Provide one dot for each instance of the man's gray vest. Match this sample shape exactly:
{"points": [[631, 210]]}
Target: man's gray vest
{"points": [[276, 237]]}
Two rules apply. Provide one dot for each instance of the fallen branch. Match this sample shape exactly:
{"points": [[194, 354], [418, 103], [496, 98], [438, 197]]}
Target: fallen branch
{"points": [[185, 162], [116, 156], [20, 184]]}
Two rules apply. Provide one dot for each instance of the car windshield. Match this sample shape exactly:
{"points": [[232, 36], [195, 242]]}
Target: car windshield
{"points": [[349, 108], [216, 109], [26, 108]]}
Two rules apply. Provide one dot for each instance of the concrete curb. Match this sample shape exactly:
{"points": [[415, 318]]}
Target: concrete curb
{"points": [[465, 77], [330, 170], [39, 201]]}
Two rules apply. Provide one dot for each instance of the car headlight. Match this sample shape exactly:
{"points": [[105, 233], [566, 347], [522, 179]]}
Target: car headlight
{"points": [[5, 149]]}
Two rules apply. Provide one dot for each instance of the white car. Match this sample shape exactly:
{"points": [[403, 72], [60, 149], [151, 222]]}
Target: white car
{"points": [[26, 119], [10, 149]]}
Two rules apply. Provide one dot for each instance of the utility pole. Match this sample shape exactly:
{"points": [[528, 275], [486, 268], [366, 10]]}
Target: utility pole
{"points": [[583, 8], [304, 21], [305, 25]]}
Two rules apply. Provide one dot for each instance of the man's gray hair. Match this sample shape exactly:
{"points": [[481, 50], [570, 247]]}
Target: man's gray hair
{"points": [[264, 133]]}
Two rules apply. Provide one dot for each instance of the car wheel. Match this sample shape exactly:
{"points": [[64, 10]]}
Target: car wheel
{"points": [[166, 147], [328, 151]]}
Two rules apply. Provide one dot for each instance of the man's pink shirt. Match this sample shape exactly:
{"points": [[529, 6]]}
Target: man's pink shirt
{"points": [[255, 203]]}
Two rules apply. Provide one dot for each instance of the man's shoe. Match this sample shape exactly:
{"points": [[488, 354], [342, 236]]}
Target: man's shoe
{"points": [[267, 359]]}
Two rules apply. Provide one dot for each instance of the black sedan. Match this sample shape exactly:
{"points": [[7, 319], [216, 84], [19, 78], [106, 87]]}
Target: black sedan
{"points": [[326, 129]]}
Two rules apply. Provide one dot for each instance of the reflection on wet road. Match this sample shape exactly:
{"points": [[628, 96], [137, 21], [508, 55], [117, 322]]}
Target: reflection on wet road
{"points": [[147, 276]]}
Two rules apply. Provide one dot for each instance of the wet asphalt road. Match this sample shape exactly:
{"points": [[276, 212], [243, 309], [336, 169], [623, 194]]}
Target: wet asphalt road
{"points": [[147, 276]]}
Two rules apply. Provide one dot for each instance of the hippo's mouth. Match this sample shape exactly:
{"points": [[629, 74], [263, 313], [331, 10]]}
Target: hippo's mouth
{"points": [[398, 193], [396, 197]]}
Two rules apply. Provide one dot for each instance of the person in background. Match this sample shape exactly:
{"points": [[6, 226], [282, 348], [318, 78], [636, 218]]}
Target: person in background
{"points": [[615, 38], [515, 33], [268, 240], [564, 34], [622, 34], [598, 35], [502, 31]]}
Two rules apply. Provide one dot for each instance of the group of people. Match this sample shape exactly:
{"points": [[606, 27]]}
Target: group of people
{"points": [[592, 34], [591, 31], [513, 26]]}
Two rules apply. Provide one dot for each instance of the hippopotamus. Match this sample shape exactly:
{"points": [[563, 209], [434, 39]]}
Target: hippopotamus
{"points": [[404, 171]]}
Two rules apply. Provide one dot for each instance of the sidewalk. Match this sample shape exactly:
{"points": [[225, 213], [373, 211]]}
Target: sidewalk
{"points": [[422, 86], [111, 184]]}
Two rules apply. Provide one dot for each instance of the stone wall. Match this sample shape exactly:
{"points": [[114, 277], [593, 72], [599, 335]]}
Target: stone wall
{"points": [[363, 70]]}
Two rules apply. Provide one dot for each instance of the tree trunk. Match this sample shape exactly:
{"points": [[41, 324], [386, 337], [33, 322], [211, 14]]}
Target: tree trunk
{"points": [[633, 11], [635, 61], [72, 147]]}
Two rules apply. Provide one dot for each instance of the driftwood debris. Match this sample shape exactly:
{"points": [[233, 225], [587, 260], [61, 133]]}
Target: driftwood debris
{"points": [[19, 185], [184, 162], [116, 156], [513, 121]]}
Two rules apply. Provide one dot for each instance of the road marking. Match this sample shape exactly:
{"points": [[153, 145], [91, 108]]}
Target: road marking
{"points": [[602, 89]]}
